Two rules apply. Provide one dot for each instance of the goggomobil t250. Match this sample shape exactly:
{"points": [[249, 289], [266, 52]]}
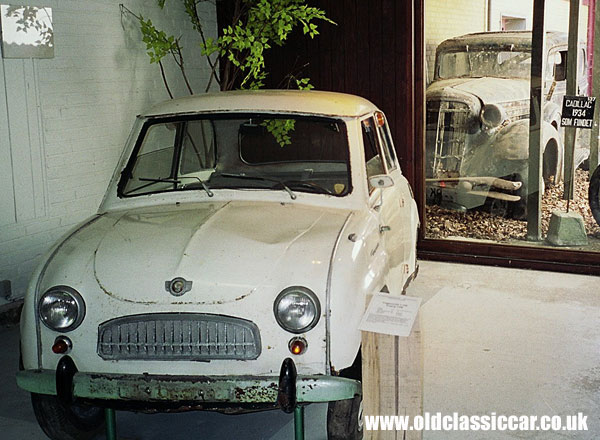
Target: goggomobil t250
{"points": [[227, 267]]}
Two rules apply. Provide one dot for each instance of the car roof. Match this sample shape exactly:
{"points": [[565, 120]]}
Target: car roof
{"points": [[269, 101], [518, 39]]}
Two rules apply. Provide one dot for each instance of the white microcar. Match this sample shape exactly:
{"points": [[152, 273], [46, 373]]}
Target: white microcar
{"points": [[227, 267]]}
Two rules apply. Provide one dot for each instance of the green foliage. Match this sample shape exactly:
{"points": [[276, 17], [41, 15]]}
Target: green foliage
{"points": [[265, 23], [304, 84], [257, 26], [158, 43], [280, 129]]}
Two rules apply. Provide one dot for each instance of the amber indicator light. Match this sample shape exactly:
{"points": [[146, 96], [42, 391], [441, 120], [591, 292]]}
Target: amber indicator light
{"points": [[61, 346], [297, 345], [380, 119]]}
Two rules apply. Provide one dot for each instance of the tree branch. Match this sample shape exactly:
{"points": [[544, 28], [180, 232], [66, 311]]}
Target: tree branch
{"points": [[180, 64], [162, 72], [198, 25]]}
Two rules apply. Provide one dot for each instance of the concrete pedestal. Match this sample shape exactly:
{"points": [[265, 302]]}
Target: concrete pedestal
{"points": [[566, 229]]}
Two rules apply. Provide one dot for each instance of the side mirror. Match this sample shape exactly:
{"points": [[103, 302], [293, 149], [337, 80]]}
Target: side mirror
{"points": [[381, 181]]}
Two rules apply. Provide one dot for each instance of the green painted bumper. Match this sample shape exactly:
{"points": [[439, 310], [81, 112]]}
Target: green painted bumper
{"points": [[151, 388]]}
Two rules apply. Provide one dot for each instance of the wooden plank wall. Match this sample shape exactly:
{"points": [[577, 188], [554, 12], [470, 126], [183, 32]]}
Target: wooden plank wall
{"points": [[370, 52], [392, 377]]}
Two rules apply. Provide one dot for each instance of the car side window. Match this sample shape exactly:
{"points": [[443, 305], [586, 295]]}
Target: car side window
{"points": [[560, 69], [373, 161], [388, 147], [156, 151]]}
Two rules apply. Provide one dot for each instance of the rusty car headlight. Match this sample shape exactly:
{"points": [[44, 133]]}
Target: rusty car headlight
{"points": [[492, 115], [61, 308], [297, 309]]}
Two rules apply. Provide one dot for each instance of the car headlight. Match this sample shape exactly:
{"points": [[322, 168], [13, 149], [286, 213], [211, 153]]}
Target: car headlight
{"points": [[297, 309], [492, 115], [61, 308]]}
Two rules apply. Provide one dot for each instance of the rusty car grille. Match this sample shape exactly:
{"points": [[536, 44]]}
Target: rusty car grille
{"points": [[178, 336], [447, 125]]}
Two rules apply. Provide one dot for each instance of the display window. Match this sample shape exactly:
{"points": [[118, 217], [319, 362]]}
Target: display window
{"points": [[499, 168]]}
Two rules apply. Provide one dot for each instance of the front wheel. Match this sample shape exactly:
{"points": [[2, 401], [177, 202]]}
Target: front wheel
{"points": [[344, 419], [59, 422], [594, 195]]}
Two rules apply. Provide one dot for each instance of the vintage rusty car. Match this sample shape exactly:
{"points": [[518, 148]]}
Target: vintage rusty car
{"points": [[478, 119], [227, 267]]}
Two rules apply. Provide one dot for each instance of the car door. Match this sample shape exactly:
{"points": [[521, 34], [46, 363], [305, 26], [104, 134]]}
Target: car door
{"points": [[403, 197], [387, 203], [409, 218]]}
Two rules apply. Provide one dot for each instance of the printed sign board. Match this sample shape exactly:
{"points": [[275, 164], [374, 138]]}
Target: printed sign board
{"points": [[578, 111], [390, 315]]}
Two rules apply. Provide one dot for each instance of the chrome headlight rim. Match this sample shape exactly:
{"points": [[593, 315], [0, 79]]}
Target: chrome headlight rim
{"points": [[73, 294], [496, 115], [308, 294]]}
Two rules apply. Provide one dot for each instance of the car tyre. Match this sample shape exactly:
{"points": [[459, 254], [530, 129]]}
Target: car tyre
{"points": [[499, 208], [344, 419], [59, 422], [594, 195]]}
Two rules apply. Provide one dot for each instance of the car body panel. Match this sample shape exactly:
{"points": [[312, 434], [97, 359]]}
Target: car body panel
{"points": [[236, 250], [460, 148]]}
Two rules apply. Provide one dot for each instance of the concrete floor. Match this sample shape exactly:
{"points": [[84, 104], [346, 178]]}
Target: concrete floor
{"points": [[495, 340]]}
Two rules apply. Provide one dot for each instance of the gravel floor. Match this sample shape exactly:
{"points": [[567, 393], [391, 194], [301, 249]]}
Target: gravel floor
{"points": [[477, 224]]}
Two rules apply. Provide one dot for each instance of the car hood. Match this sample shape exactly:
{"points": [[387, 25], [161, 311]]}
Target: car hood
{"points": [[488, 90], [228, 250]]}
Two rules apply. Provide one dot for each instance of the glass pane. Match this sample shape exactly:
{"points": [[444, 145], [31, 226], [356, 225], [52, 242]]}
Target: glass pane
{"points": [[198, 147], [309, 141], [26, 32], [387, 140], [373, 160], [237, 152], [477, 153], [154, 159]]}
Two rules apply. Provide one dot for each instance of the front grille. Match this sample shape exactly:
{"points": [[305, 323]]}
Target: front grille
{"points": [[447, 126], [178, 336]]}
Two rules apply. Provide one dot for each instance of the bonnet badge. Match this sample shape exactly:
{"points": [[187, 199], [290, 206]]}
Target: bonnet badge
{"points": [[178, 286]]}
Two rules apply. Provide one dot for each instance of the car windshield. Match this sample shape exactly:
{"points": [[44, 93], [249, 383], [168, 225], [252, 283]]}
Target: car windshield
{"points": [[260, 152], [477, 63]]}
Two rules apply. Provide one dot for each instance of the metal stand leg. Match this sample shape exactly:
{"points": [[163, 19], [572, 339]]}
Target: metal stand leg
{"points": [[299, 423], [111, 424]]}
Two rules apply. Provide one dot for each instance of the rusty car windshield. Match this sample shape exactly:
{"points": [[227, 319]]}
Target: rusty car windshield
{"points": [[247, 152], [488, 62]]}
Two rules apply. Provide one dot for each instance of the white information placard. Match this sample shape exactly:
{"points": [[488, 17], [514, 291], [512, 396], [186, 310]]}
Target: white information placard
{"points": [[390, 315]]}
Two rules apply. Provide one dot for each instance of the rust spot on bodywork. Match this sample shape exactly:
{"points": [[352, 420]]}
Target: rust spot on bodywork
{"points": [[109, 293], [256, 393]]}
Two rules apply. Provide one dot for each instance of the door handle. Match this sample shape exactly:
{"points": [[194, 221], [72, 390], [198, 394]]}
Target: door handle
{"points": [[383, 229]]}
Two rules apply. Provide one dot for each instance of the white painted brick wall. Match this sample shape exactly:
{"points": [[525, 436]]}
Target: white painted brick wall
{"points": [[89, 94], [450, 18]]}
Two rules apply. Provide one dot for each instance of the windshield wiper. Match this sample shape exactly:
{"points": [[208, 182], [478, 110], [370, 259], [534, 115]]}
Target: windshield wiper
{"points": [[202, 182], [263, 178], [158, 179], [173, 181]]}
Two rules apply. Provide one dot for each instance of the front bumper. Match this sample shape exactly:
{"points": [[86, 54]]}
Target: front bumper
{"points": [[201, 389], [477, 186]]}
